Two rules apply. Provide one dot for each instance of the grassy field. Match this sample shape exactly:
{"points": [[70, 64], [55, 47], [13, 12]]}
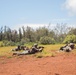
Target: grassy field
{"points": [[6, 51], [48, 50]]}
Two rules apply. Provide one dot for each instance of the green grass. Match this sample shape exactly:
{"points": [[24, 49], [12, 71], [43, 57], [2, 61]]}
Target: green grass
{"points": [[1, 43], [6, 51], [48, 50]]}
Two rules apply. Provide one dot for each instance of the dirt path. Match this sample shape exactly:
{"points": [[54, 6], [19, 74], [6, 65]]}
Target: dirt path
{"points": [[64, 64]]}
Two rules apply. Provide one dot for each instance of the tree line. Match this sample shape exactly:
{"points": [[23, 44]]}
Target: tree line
{"points": [[61, 33]]}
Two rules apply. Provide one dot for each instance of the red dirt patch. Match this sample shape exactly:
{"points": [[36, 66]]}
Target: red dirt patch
{"points": [[61, 64]]}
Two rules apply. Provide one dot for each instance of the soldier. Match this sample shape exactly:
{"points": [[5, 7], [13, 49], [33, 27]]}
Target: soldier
{"points": [[62, 48], [72, 45], [17, 48], [68, 47], [26, 51], [34, 49]]}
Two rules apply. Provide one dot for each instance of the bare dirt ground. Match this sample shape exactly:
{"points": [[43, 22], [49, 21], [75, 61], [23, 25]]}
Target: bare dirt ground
{"points": [[61, 64]]}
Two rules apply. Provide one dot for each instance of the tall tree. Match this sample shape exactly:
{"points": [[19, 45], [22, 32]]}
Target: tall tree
{"points": [[72, 31], [15, 36], [60, 32], [23, 29], [1, 33], [20, 34], [40, 32], [30, 34]]}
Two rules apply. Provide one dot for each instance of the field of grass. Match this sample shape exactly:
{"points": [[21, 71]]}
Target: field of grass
{"points": [[48, 50], [6, 51]]}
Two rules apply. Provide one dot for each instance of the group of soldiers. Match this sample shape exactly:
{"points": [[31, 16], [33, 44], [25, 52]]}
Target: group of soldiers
{"points": [[32, 50], [35, 49]]}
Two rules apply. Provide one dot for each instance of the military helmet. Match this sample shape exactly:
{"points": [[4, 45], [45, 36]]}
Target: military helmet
{"points": [[35, 44]]}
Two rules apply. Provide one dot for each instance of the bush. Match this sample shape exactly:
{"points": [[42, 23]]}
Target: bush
{"points": [[70, 38], [8, 43], [24, 40], [47, 40]]}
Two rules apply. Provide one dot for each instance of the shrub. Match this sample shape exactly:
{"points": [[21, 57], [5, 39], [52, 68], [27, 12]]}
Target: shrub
{"points": [[47, 40], [24, 40], [70, 38], [8, 43]]}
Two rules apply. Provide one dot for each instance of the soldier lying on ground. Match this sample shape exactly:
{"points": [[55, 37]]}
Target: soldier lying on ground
{"points": [[67, 47], [18, 48], [72, 45], [33, 50], [26, 51]]}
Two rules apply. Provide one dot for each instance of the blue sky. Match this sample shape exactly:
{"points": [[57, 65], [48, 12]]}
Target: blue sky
{"points": [[15, 13]]}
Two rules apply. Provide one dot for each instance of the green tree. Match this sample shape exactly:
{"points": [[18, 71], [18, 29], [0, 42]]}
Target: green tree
{"points": [[72, 31], [20, 34], [1, 33], [40, 32], [47, 40], [60, 31], [15, 36], [30, 34], [24, 32], [70, 38]]}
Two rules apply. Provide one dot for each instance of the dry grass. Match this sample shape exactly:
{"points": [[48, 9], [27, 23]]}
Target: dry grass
{"points": [[49, 50], [6, 51]]}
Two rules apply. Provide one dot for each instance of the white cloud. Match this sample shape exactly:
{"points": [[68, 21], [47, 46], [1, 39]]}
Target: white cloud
{"points": [[60, 20], [72, 25], [34, 26], [70, 5]]}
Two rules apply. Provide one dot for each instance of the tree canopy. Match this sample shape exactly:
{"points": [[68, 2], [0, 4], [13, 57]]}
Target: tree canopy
{"points": [[44, 35]]}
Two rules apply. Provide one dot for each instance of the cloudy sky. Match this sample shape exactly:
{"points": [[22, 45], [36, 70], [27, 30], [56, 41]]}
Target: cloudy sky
{"points": [[36, 13]]}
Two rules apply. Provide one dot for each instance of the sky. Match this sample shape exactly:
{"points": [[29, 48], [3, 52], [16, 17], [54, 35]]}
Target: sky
{"points": [[37, 13]]}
